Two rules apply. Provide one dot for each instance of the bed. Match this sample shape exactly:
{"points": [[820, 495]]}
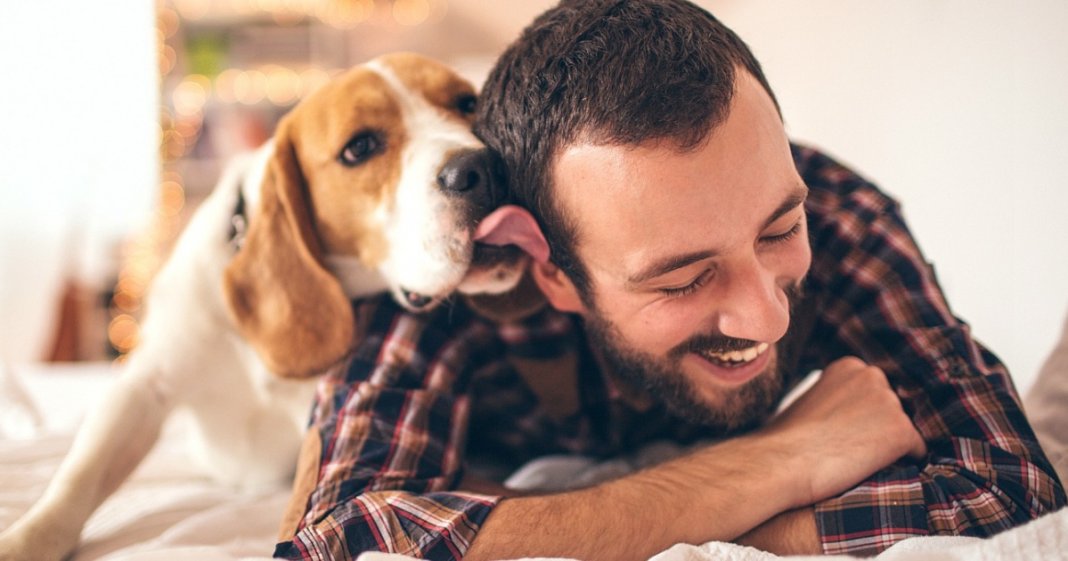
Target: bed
{"points": [[170, 511]]}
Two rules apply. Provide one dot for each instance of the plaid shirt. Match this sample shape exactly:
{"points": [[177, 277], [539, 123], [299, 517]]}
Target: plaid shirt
{"points": [[423, 396]]}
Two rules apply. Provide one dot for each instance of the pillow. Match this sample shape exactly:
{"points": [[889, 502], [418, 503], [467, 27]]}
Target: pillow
{"points": [[1046, 405]]}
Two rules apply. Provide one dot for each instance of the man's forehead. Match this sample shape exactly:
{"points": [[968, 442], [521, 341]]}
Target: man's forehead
{"points": [[751, 108], [630, 202]]}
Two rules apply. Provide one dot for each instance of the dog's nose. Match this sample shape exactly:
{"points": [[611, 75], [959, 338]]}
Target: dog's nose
{"points": [[476, 174]]}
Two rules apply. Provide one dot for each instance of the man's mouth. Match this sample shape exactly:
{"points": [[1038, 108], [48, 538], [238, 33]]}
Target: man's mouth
{"points": [[737, 358]]}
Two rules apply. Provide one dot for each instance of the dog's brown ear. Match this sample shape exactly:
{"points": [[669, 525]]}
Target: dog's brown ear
{"points": [[283, 300]]}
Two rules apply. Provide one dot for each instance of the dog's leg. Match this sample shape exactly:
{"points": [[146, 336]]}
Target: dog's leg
{"points": [[115, 437]]}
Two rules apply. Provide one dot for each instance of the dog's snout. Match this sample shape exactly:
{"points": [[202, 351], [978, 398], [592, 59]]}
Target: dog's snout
{"points": [[475, 174]]}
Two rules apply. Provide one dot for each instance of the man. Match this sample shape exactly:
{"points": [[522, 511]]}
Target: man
{"points": [[699, 265]]}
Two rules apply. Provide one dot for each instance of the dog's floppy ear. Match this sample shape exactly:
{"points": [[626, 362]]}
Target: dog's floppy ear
{"points": [[283, 300]]}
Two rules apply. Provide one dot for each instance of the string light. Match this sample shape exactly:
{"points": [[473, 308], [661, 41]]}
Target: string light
{"points": [[124, 332], [312, 79], [341, 14], [172, 198], [345, 14], [190, 95], [224, 85], [411, 12], [193, 9]]}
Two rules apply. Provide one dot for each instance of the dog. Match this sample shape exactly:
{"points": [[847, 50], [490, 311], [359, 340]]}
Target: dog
{"points": [[373, 183]]}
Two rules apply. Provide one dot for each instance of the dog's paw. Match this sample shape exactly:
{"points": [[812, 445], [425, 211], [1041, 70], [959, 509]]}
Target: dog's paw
{"points": [[23, 543], [13, 548]]}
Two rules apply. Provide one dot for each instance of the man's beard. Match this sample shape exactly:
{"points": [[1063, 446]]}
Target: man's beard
{"points": [[741, 408]]}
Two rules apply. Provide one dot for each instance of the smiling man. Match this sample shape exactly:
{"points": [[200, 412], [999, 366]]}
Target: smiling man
{"points": [[691, 256], [698, 265]]}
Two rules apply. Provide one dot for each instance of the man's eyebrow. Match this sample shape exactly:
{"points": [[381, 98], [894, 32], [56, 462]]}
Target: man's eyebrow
{"points": [[668, 264], [795, 199], [664, 266]]}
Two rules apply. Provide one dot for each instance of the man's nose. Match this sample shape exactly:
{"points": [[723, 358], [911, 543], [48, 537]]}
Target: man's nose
{"points": [[474, 174], [756, 307]]}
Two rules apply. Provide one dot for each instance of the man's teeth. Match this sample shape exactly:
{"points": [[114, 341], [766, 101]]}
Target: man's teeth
{"points": [[744, 355]]}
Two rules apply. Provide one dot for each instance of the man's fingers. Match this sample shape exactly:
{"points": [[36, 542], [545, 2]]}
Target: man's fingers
{"points": [[853, 423], [847, 364]]}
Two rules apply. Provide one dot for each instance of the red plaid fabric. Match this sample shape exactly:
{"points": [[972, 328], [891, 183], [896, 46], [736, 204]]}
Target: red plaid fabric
{"points": [[877, 298], [423, 397]]}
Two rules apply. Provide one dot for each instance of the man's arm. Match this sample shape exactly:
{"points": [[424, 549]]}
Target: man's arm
{"points": [[392, 425], [712, 494], [817, 448], [878, 299], [791, 533]]}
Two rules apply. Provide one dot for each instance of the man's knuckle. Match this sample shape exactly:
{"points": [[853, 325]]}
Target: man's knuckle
{"points": [[850, 363]]}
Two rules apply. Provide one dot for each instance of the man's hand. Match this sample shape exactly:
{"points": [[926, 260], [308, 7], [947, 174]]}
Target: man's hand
{"points": [[852, 424], [849, 425]]}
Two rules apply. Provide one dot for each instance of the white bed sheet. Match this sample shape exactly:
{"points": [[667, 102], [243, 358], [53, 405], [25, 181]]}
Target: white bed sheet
{"points": [[170, 511]]}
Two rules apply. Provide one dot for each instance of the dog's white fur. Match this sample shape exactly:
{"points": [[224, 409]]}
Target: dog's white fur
{"points": [[194, 357], [419, 225]]}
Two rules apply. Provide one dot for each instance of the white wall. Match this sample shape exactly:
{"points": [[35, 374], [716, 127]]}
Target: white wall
{"points": [[956, 107], [960, 110], [78, 138]]}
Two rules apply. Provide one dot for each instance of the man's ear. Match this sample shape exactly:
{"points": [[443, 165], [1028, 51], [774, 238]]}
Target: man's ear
{"points": [[557, 287]]}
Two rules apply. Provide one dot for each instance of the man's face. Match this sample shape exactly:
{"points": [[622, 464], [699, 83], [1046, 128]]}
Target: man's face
{"points": [[692, 258]]}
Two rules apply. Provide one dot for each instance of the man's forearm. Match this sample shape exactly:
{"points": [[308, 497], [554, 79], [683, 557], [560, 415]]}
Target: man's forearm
{"points": [[717, 493], [819, 447], [790, 533]]}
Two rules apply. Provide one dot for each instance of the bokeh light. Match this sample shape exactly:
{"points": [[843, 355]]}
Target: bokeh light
{"points": [[345, 14], [123, 332], [283, 85], [191, 94], [411, 12], [250, 87]]}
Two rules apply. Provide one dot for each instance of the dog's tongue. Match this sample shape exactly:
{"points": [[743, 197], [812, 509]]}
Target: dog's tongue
{"points": [[513, 225]]}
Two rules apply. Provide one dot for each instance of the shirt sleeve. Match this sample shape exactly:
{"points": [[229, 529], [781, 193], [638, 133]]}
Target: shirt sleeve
{"points": [[393, 423], [877, 298]]}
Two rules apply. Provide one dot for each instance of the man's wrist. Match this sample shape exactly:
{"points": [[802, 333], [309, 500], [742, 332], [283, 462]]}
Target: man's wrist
{"points": [[768, 467], [787, 461]]}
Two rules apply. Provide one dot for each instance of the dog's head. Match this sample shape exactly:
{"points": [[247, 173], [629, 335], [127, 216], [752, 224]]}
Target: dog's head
{"points": [[378, 168]]}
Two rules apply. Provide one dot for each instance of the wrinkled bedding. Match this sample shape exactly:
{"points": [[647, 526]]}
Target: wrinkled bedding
{"points": [[171, 511]]}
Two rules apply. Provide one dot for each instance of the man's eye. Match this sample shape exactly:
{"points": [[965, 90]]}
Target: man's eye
{"points": [[784, 237], [360, 148], [688, 289]]}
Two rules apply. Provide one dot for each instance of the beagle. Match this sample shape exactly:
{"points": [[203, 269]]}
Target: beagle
{"points": [[373, 183]]}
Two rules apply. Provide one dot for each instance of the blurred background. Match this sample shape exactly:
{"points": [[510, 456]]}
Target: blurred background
{"points": [[116, 117]]}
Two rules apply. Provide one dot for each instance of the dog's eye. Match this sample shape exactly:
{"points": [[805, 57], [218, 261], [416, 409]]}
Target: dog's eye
{"points": [[360, 148], [467, 104]]}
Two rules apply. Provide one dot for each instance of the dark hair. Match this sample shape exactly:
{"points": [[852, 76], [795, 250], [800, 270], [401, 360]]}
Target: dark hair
{"points": [[608, 71]]}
